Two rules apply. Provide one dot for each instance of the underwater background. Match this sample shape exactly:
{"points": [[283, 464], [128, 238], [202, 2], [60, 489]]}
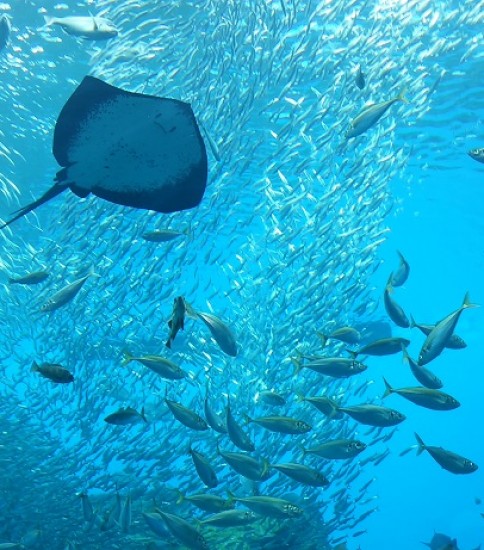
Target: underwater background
{"points": [[297, 234]]}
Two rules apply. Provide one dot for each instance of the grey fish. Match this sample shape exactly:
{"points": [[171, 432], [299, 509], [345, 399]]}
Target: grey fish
{"points": [[204, 469], [302, 474], [32, 278], [163, 235], [215, 421], [348, 335], [394, 310], [177, 320], [237, 435], [426, 377], [441, 542], [454, 341], [439, 336], [186, 416], [161, 165], [360, 78], [246, 465], [220, 333], [93, 28], [4, 31], [206, 502], [270, 506], [424, 397], [373, 415], [270, 397], [64, 295], [477, 154], [336, 367], [400, 275], [385, 346], [370, 115], [337, 449], [448, 460], [282, 424], [126, 416], [230, 518], [160, 365], [55, 373], [185, 532], [324, 404]]}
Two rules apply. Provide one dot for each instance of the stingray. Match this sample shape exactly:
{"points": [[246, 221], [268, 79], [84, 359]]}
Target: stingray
{"points": [[127, 148]]}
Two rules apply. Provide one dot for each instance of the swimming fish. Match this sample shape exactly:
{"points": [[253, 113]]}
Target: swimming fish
{"points": [[360, 78], [303, 474], [394, 310], [337, 449], [385, 346], [477, 154], [32, 278], [425, 397], [186, 416], [185, 532], [160, 365], [400, 275], [94, 28], [177, 320], [438, 337], [126, 416], [374, 415], [453, 342], [55, 373], [426, 377], [127, 148], [163, 235], [370, 115], [204, 469], [64, 295], [4, 31], [449, 461], [219, 330]]}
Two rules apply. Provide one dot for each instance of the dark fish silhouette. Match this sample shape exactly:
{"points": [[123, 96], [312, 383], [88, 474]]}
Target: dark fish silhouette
{"points": [[4, 31], [477, 154], [128, 148]]}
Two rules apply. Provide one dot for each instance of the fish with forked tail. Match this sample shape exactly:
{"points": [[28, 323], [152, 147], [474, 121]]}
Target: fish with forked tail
{"points": [[177, 320]]}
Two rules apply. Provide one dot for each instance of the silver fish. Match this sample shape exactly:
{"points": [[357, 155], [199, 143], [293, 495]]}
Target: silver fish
{"points": [[400, 275], [394, 310], [373, 415], [65, 295], [32, 278], [303, 474], [337, 449], [439, 336], [370, 115], [94, 28], [204, 469], [449, 461], [477, 154], [126, 416], [425, 397], [186, 416]]}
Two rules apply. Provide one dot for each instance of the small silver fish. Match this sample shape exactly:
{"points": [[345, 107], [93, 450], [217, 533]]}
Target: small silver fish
{"points": [[5, 28], [32, 278], [64, 295], [163, 235]]}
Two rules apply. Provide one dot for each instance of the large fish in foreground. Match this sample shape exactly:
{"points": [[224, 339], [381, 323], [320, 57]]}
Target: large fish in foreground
{"points": [[127, 148], [370, 115]]}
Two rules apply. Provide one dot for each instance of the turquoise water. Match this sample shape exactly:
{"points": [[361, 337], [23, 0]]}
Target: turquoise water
{"points": [[296, 234]]}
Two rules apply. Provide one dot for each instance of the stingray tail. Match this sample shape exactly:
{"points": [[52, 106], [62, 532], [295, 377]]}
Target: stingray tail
{"points": [[55, 190]]}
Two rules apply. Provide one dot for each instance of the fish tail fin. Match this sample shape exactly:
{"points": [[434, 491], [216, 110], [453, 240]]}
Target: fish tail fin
{"points": [[143, 414], [406, 356], [401, 96], [34, 367], [127, 358], [247, 419], [421, 445], [190, 310], [354, 354], [297, 362], [324, 338], [266, 466], [467, 302], [300, 397], [412, 321], [49, 20], [303, 451], [231, 496], [55, 190], [168, 343], [230, 499], [388, 388], [180, 497]]}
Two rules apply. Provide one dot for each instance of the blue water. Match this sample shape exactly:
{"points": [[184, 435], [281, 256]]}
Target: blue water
{"points": [[282, 246]]}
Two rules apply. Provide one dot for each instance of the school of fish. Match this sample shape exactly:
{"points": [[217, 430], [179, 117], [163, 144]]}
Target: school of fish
{"points": [[197, 379]]}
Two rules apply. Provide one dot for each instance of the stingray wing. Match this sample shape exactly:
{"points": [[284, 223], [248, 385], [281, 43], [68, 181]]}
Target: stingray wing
{"points": [[131, 149]]}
